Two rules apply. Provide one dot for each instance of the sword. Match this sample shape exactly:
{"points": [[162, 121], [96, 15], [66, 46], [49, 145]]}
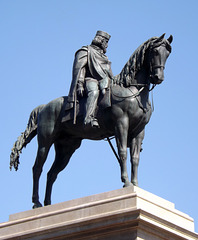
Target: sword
{"points": [[75, 100]]}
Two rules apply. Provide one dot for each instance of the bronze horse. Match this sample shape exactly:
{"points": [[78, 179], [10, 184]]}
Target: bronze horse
{"points": [[125, 119]]}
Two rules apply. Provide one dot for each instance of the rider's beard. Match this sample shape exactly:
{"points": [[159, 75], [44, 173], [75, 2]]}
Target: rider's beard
{"points": [[104, 49], [100, 45]]}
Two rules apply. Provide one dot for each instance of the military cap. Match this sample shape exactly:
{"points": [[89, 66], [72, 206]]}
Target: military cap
{"points": [[103, 34]]}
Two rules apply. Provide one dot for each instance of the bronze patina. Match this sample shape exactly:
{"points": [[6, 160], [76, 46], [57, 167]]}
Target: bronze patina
{"points": [[91, 74], [124, 117]]}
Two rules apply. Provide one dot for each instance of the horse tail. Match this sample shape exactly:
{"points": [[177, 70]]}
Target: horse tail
{"points": [[26, 136]]}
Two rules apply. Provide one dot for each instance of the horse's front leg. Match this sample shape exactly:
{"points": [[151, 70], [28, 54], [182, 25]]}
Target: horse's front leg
{"points": [[121, 133], [135, 148]]}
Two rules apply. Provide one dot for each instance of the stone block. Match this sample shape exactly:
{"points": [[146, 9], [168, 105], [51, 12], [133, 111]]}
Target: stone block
{"points": [[124, 214]]}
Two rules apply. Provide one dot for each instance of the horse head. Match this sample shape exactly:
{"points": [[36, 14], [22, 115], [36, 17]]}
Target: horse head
{"points": [[159, 51], [150, 56]]}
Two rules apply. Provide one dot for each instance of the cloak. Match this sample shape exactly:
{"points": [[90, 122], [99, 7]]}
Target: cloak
{"points": [[96, 64]]}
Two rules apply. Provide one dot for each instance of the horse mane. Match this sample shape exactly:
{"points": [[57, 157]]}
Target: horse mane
{"points": [[134, 64]]}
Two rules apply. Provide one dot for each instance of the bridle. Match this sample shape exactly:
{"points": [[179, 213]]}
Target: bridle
{"points": [[147, 85], [158, 66]]}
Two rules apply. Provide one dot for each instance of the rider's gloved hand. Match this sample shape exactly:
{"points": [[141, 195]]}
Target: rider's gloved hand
{"points": [[80, 90]]}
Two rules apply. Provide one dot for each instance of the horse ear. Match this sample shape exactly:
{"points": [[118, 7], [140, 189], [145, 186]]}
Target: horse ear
{"points": [[170, 39], [161, 37]]}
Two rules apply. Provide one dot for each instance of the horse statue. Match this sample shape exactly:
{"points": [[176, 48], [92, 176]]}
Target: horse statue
{"points": [[125, 119]]}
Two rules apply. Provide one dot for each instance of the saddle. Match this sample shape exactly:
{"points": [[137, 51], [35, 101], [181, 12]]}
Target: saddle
{"points": [[115, 93], [104, 101]]}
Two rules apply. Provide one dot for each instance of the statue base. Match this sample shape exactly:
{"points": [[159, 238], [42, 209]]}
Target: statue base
{"points": [[123, 214]]}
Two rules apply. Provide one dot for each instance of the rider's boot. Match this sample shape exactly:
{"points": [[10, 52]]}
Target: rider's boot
{"points": [[91, 104]]}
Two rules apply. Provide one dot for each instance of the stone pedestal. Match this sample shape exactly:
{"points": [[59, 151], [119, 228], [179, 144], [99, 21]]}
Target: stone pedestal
{"points": [[125, 214]]}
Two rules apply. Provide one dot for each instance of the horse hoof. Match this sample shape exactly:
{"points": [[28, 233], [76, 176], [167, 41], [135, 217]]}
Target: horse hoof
{"points": [[37, 205], [46, 203], [135, 184], [128, 184]]}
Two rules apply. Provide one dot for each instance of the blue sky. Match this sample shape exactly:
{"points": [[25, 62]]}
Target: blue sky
{"points": [[38, 42]]}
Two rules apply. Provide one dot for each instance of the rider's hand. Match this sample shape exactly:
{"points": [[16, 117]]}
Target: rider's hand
{"points": [[80, 91]]}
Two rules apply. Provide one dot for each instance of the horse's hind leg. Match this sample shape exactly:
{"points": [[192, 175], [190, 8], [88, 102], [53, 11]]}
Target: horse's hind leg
{"points": [[37, 170], [64, 151]]}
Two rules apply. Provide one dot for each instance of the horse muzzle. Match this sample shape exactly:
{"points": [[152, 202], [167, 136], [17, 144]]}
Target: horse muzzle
{"points": [[155, 79], [157, 76]]}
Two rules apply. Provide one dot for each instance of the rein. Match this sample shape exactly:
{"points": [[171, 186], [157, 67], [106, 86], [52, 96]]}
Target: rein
{"points": [[139, 91], [142, 85], [150, 90]]}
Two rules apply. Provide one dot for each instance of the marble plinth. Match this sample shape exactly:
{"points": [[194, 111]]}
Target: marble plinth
{"points": [[124, 214]]}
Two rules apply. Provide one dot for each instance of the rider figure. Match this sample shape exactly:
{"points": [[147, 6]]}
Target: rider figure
{"points": [[91, 74]]}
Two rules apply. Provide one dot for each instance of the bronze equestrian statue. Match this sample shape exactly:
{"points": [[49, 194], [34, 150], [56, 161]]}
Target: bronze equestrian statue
{"points": [[124, 117]]}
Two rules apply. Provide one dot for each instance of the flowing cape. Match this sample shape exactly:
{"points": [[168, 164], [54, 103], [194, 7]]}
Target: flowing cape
{"points": [[98, 65]]}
